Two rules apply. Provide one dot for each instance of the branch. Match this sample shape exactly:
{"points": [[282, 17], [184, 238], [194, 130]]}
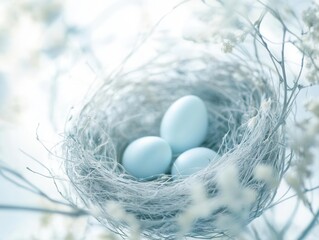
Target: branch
{"points": [[313, 222], [75, 213]]}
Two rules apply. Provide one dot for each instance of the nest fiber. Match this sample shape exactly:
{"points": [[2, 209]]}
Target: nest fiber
{"points": [[132, 105]]}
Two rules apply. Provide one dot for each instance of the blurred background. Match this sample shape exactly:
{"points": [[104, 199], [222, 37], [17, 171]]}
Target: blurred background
{"points": [[52, 53]]}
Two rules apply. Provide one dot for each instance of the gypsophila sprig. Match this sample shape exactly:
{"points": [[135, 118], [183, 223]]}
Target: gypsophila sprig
{"points": [[266, 174], [224, 28], [304, 144], [310, 41], [116, 211]]}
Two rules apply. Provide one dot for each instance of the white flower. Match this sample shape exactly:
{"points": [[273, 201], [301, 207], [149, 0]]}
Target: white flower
{"points": [[309, 42], [296, 183], [115, 210], [201, 207], [229, 223], [313, 106], [219, 22], [265, 173], [232, 194]]}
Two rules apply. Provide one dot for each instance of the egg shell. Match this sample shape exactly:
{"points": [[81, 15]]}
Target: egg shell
{"points": [[185, 124], [147, 157], [192, 161]]}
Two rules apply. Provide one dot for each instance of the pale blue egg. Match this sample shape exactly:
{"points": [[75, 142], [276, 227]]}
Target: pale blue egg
{"points": [[185, 124], [147, 157], [192, 161]]}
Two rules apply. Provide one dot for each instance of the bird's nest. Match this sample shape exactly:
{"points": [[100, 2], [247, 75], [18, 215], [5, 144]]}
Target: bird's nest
{"points": [[245, 128]]}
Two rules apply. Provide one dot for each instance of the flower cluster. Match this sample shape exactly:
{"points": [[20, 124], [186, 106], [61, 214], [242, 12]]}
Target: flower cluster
{"points": [[117, 212], [304, 145], [309, 43], [218, 24], [232, 195]]}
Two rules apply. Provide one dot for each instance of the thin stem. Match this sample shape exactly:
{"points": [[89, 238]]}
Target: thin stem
{"points": [[29, 186], [292, 196], [75, 213], [310, 226]]}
